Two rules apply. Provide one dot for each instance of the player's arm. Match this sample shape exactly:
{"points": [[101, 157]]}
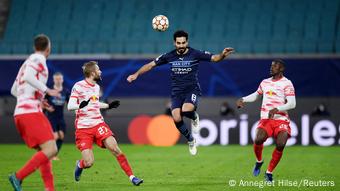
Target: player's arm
{"points": [[113, 104], [225, 53], [290, 104], [14, 89], [142, 70], [73, 104], [29, 77], [249, 98]]}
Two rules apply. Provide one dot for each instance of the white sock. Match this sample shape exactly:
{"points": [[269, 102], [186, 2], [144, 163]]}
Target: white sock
{"points": [[269, 172], [131, 177]]}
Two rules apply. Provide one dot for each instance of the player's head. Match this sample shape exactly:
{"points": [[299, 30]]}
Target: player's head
{"points": [[277, 67], [58, 79], [91, 70], [181, 41], [42, 44]]}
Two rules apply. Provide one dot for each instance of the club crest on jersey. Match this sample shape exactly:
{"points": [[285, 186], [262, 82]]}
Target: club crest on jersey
{"points": [[94, 98], [270, 93]]}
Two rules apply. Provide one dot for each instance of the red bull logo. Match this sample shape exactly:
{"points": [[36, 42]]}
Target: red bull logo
{"points": [[271, 93], [94, 98]]}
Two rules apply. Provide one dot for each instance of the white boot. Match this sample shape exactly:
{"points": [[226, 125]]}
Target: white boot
{"points": [[192, 147]]}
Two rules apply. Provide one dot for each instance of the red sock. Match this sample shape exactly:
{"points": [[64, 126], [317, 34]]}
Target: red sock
{"points": [[81, 164], [276, 156], [34, 163], [124, 164], [258, 151], [47, 176]]}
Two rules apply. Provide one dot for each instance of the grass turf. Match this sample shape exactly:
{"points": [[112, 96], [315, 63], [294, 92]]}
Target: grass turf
{"points": [[172, 168]]}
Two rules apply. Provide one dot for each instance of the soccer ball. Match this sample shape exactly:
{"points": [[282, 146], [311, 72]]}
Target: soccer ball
{"points": [[160, 23]]}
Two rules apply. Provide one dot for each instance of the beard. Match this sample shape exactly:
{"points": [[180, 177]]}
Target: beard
{"points": [[97, 79], [181, 50]]}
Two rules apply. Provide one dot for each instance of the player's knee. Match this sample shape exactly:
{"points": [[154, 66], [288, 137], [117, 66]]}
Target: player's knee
{"points": [[177, 118], [50, 151], [88, 163], [259, 140], [61, 135], [280, 146], [115, 150]]}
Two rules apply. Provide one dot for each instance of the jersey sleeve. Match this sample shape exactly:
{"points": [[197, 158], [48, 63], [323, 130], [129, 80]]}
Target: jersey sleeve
{"points": [[289, 89], [162, 59], [259, 89], [203, 55], [75, 93]]}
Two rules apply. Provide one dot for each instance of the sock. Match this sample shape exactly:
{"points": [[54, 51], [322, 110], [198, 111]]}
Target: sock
{"points": [[47, 176], [131, 177], [258, 151], [31, 165], [124, 164], [184, 130], [81, 164], [190, 114], [276, 156], [59, 144]]}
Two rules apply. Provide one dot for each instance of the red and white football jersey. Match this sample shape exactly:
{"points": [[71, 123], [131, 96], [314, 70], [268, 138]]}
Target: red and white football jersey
{"points": [[90, 115], [29, 98], [274, 94]]}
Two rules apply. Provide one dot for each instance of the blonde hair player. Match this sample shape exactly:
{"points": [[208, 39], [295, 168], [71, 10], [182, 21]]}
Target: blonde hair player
{"points": [[90, 125]]}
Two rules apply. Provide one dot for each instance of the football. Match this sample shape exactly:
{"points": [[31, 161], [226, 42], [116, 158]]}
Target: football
{"points": [[160, 23]]}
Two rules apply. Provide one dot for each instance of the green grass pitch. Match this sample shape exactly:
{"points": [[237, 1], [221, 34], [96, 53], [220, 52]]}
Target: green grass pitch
{"points": [[172, 168]]}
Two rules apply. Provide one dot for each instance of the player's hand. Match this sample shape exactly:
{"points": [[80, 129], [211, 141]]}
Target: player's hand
{"points": [[84, 104], [227, 51], [53, 92], [240, 103], [132, 78], [47, 106], [114, 104], [272, 113]]}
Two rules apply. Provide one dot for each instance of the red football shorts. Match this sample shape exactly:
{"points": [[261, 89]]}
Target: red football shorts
{"points": [[34, 128], [274, 127], [86, 136]]}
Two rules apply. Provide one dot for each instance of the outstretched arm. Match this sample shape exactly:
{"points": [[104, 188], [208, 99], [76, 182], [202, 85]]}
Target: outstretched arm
{"points": [[225, 53], [250, 98], [142, 70]]}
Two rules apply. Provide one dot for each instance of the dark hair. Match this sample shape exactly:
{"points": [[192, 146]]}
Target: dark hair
{"points": [[41, 42], [89, 67], [279, 61], [181, 33]]}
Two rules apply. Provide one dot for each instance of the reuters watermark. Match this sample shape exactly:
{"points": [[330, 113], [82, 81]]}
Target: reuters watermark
{"points": [[281, 183]]}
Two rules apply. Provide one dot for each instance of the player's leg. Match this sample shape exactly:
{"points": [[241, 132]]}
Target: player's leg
{"points": [[281, 141], [59, 141], [47, 175], [111, 144], [40, 159], [260, 137], [61, 134], [36, 131], [84, 141], [86, 162], [188, 108], [180, 125], [189, 111]]}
